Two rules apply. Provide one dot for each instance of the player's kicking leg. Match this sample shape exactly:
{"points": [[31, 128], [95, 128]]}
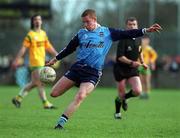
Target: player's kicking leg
{"points": [[85, 89], [58, 89]]}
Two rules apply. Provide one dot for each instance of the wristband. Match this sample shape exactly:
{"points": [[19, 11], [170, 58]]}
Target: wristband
{"points": [[144, 31]]}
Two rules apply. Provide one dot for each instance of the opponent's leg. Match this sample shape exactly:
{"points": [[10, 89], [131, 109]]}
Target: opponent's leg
{"points": [[23, 92]]}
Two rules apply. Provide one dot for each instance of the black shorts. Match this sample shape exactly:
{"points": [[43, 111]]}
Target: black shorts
{"points": [[82, 73], [121, 72]]}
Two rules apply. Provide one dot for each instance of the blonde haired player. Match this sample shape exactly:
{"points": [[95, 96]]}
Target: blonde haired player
{"points": [[92, 43], [37, 42], [149, 57]]}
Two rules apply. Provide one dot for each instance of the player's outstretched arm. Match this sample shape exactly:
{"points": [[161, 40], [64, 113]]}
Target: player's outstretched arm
{"points": [[118, 34], [70, 48], [154, 28]]}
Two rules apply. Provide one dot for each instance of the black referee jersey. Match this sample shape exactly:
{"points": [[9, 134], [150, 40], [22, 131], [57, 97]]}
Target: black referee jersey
{"points": [[130, 48]]}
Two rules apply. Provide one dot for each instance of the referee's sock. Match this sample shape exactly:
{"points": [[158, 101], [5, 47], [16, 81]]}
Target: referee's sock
{"points": [[130, 94], [118, 104]]}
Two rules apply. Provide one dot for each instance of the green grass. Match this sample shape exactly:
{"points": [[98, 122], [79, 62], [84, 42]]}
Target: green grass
{"points": [[158, 117]]}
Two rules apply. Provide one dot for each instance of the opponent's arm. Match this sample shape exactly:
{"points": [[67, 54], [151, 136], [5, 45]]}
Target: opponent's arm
{"points": [[52, 51], [18, 56], [153, 59], [142, 60]]}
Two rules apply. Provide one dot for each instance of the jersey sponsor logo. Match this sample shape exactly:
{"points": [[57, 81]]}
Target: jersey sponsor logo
{"points": [[101, 45], [92, 45], [88, 44], [39, 43]]}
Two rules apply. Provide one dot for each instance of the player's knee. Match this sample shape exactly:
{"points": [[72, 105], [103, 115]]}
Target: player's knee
{"points": [[80, 97], [54, 93], [37, 83], [30, 86]]}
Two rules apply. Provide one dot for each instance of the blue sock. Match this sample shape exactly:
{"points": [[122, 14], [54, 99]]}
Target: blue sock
{"points": [[62, 120]]}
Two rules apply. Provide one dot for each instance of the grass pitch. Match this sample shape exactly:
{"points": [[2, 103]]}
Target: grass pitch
{"points": [[157, 117]]}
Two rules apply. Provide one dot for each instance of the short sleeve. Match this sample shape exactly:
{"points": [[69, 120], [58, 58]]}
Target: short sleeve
{"points": [[47, 43], [121, 48], [27, 41]]}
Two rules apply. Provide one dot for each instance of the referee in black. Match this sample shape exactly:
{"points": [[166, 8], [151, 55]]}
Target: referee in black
{"points": [[125, 69]]}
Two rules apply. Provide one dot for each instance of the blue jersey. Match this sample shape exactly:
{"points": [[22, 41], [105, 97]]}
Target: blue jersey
{"points": [[93, 46]]}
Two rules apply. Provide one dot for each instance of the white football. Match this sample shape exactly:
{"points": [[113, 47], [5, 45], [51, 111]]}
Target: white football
{"points": [[47, 74]]}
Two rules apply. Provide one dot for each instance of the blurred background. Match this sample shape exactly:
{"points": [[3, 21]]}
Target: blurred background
{"points": [[61, 20]]}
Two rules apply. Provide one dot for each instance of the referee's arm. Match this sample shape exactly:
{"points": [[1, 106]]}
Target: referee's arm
{"points": [[121, 53]]}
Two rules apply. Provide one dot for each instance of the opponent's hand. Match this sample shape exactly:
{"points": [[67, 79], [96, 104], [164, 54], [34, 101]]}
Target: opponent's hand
{"points": [[51, 62], [14, 64], [154, 28], [145, 66]]}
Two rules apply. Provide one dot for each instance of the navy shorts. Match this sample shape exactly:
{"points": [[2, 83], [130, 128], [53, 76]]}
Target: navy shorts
{"points": [[83, 73]]}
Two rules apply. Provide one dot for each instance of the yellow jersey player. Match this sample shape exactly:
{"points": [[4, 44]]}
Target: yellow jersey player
{"points": [[149, 57], [37, 43]]}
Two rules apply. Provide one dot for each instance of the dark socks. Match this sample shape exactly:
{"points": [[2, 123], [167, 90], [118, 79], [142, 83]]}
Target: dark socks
{"points": [[117, 104], [130, 94]]}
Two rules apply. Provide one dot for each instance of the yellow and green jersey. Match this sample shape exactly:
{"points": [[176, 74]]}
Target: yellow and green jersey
{"points": [[37, 42], [149, 54]]}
